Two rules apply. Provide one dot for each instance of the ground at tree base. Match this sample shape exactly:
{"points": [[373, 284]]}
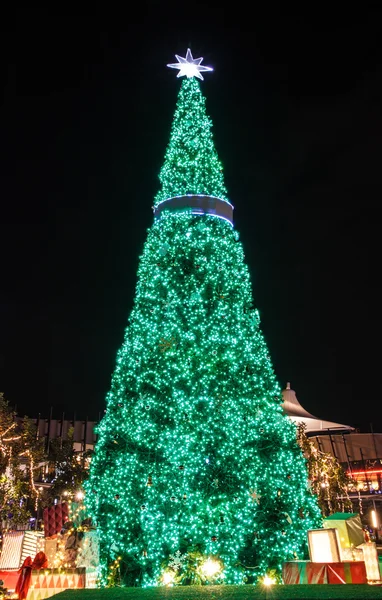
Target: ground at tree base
{"points": [[232, 592]]}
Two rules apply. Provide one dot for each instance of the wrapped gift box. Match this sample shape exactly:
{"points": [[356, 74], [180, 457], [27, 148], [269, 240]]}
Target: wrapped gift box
{"points": [[91, 577], [33, 542], [50, 549], [295, 572], [17, 545], [81, 548], [347, 572], [77, 513], [11, 552], [349, 528], [304, 571], [317, 572], [48, 582], [10, 579], [324, 545], [349, 554], [54, 518], [88, 550], [370, 556]]}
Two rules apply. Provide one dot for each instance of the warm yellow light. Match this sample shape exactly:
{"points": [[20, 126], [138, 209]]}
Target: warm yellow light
{"points": [[211, 567], [79, 495], [168, 577], [268, 580], [374, 520]]}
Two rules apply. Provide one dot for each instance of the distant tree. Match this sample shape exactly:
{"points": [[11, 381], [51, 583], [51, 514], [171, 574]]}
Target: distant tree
{"points": [[69, 468], [328, 480], [20, 454]]}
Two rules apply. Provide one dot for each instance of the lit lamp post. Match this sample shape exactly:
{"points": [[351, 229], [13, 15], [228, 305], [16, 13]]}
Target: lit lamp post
{"points": [[374, 521]]}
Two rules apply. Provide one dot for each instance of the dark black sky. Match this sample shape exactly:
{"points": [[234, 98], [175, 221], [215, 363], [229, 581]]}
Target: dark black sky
{"points": [[85, 120]]}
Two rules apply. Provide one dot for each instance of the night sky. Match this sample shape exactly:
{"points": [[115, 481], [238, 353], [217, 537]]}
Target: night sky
{"points": [[85, 119]]}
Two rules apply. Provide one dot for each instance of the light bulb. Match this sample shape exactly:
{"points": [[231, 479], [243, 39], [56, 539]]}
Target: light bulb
{"points": [[211, 567]]}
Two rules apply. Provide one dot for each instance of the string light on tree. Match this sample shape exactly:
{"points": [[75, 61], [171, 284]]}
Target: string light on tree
{"points": [[194, 421], [191, 163]]}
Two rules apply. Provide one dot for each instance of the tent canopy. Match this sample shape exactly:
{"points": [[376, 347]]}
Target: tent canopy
{"points": [[298, 414]]}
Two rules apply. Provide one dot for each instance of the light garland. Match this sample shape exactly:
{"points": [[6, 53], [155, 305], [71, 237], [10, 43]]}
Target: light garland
{"points": [[35, 491]]}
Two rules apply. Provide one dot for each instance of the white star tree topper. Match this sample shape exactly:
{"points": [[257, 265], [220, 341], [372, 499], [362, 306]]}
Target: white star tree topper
{"points": [[189, 66]]}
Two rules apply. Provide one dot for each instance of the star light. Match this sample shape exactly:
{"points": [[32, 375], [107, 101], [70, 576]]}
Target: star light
{"points": [[189, 66]]}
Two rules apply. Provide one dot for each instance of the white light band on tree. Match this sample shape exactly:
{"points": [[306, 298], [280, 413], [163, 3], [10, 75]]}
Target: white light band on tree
{"points": [[199, 205]]}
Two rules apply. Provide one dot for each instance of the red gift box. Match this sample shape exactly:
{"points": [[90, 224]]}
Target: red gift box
{"points": [[347, 572], [10, 578], [54, 518], [295, 572], [304, 571], [316, 572]]}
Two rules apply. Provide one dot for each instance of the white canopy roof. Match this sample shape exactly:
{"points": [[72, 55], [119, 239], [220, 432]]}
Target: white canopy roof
{"points": [[298, 414]]}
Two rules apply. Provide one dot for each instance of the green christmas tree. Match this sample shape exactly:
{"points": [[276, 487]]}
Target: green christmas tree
{"points": [[197, 476], [191, 163]]}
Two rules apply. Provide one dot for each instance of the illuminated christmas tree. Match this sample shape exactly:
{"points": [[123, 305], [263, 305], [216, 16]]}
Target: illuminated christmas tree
{"points": [[197, 476]]}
